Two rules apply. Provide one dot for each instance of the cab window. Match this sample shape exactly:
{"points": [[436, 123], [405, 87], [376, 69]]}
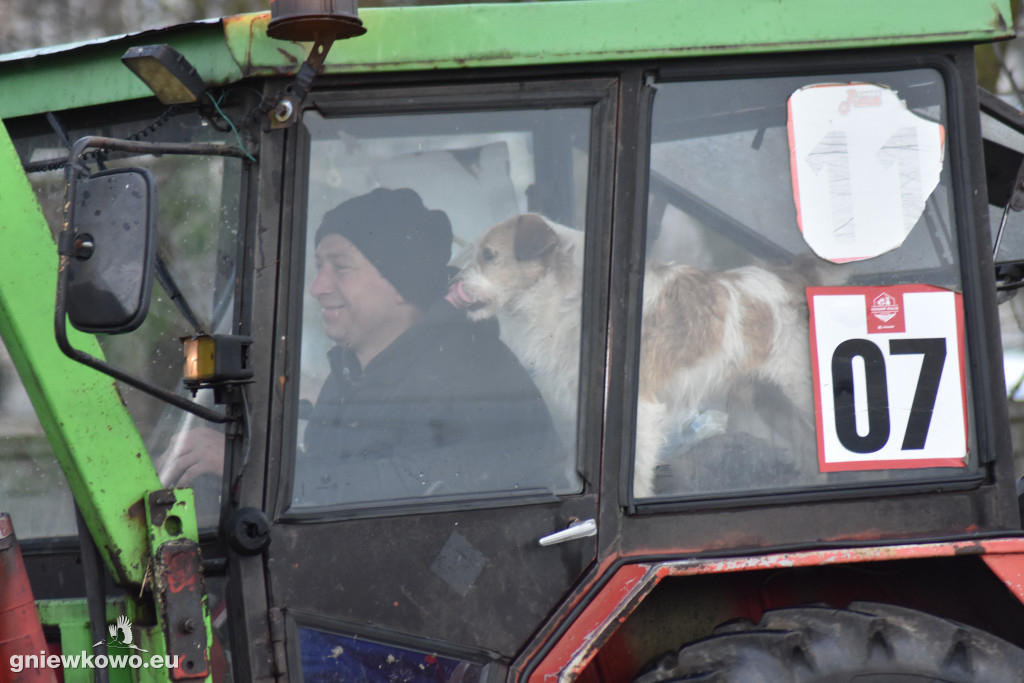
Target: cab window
{"points": [[802, 314], [198, 237], [414, 386]]}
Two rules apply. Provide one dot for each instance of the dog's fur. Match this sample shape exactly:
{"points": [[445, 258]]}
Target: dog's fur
{"points": [[702, 330]]}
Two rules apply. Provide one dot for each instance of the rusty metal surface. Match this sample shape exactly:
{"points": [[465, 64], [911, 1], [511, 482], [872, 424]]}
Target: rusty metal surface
{"points": [[179, 582], [594, 30], [492, 35], [1009, 567], [630, 583]]}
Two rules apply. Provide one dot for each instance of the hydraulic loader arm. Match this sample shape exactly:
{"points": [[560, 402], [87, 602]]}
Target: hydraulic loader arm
{"points": [[147, 536]]}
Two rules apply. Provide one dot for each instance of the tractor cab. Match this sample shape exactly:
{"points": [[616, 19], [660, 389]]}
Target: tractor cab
{"points": [[528, 353]]}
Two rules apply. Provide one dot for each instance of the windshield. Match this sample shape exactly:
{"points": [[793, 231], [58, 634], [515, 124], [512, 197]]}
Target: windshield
{"points": [[197, 229]]}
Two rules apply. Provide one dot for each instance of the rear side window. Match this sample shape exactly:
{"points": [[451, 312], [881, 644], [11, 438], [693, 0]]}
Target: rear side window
{"points": [[803, 323]]}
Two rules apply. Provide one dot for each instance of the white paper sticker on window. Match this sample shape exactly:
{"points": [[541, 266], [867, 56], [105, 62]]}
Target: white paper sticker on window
{"points": [[863, 167]]}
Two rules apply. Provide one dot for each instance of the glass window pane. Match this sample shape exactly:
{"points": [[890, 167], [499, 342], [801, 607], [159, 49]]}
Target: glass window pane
{"points": [[32, 487], [197, 238], [760, 189], [404, 394], [332, 658]]}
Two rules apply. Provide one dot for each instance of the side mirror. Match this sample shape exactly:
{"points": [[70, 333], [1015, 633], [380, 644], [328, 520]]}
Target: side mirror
{"points": [[110, 274]]}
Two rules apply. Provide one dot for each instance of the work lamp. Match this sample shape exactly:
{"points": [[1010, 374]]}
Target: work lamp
{"points": [[167, 73]]}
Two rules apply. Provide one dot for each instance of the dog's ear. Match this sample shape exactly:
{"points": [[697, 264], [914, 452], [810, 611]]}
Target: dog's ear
{"points": [[534, 237]]}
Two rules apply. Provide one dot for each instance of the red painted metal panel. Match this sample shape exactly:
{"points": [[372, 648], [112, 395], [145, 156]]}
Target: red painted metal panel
{"points": [[21, 633], [630, 583], [579, 644], [1009, 567]]}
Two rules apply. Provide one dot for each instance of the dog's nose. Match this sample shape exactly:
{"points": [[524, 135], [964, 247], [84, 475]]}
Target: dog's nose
{"points": [[457, 296]]}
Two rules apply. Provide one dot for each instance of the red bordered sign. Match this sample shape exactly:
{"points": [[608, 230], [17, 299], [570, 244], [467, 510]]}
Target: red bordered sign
{"points": [[889, 381]]}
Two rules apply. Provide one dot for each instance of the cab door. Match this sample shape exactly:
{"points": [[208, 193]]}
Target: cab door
{"points": [[367, 577]]}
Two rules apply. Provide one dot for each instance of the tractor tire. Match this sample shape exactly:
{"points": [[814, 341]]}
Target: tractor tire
{"points": [[866, 643]]}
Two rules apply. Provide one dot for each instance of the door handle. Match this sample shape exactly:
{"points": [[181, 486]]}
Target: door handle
{"points": [[578, 529]]}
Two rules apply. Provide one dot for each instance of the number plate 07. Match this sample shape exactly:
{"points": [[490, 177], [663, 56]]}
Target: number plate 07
{"points": [[888, 368]]}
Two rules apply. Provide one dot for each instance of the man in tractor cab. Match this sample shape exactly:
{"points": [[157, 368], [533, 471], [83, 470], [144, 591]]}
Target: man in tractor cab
{"points": [[420, 401]]}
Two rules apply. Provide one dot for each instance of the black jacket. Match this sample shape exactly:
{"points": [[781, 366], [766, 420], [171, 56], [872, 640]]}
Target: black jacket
{"points": [[445, 410]]}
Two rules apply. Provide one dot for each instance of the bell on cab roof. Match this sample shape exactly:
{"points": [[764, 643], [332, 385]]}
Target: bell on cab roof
{"points": [[310, 20]]}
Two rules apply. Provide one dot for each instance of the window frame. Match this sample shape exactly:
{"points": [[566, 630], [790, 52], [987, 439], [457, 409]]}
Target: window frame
{"points": [[596, 93], [955, 65]]}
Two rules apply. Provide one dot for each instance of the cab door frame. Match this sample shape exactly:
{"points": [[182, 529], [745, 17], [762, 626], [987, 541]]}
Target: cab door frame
{"points": [[259, 462]]}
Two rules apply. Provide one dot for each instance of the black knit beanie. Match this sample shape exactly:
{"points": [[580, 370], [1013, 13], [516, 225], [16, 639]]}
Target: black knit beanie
{"points": [[409, 244]]}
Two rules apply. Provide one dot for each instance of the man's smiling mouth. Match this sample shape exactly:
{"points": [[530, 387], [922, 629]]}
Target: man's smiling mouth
{"points": [[328, 311]]}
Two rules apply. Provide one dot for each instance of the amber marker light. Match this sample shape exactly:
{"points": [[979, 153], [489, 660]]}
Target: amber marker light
{"points": [[216, 359], [200, 367]]}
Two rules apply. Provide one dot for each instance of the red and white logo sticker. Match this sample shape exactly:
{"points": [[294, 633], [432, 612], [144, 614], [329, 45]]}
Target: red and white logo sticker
{"points": [[885, 312]]}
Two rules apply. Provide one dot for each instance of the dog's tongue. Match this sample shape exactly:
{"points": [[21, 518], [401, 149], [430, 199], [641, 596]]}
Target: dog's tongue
{"points": [[457, 296]]}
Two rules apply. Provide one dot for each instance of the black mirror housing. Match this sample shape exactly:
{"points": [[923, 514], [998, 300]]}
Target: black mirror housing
{"points": [[110, 274]]}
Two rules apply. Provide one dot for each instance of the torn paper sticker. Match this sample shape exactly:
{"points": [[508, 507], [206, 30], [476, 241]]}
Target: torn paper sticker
{"points": [[863, 167]]}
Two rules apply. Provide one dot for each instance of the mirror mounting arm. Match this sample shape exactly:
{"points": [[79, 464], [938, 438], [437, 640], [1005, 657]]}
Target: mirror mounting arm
{"points": [[67, 250], [131, 380]]}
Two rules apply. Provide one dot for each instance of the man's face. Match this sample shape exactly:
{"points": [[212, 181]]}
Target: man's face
{"points": [[360, 308]]}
